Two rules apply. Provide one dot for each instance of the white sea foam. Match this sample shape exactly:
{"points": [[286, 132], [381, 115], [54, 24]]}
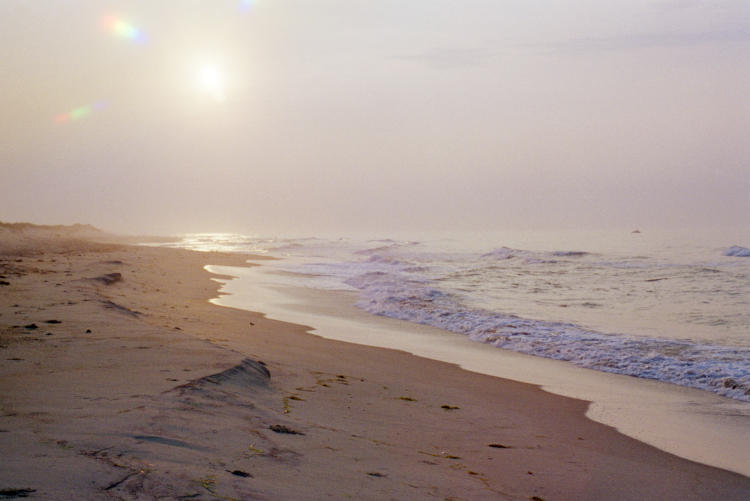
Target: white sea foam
{"points": [[411, 282], [723, 370]]}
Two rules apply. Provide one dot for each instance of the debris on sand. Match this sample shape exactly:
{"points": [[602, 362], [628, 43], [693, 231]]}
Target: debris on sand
{"points": [[109, 278], [280, 428], [240, 473], [15, 493], [499, 446]]}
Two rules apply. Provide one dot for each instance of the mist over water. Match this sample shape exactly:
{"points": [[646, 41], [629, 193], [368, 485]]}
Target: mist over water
{"points": [[672, 307]]}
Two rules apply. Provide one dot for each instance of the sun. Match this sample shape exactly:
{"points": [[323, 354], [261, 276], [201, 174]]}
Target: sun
{"points": [[211, 80]]}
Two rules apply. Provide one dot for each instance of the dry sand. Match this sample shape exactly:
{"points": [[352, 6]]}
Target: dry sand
{"points": [[132, 385]]}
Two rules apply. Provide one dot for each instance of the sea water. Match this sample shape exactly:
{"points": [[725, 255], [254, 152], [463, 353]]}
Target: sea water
{"points": [[651, 327], [665, 306]]}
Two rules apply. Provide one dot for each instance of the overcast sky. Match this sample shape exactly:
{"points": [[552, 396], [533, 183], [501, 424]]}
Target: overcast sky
{"points": [[289, 116]]}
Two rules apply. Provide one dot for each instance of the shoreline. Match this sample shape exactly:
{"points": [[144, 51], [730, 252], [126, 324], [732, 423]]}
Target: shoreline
{"points": [[691, 423], [164, 396]]}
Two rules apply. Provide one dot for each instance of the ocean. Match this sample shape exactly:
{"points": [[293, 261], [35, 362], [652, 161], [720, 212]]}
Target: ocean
{"points": [[664, 305]]}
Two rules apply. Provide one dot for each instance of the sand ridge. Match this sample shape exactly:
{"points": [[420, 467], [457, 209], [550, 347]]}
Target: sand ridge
{"points": [[134, 386]]}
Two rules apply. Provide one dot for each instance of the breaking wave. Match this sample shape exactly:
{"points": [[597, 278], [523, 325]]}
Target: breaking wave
{"points": [[720, 369], [737, 251]]}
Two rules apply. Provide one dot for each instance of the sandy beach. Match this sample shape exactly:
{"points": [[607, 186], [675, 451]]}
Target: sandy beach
{"points": [[120, 380]]}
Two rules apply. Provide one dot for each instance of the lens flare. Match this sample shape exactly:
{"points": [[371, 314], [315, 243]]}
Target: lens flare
{"points": [[245, 5], [122, 29], [80, 112]]}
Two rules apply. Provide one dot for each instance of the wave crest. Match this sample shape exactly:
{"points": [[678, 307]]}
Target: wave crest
{"points": [[737, 251]]}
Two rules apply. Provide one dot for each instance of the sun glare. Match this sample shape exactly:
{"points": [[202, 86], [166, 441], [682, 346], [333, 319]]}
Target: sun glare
{"points": [[211, 80]]}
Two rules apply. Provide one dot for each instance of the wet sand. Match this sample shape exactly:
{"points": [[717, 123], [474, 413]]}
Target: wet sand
{"points": [[119, 380]]}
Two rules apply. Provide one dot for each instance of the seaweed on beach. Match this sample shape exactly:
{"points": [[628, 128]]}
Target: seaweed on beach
{"points": [[15, 493], [499, 446], [280, 428]]}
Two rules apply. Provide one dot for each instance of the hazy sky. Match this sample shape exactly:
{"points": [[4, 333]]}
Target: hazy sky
{"points": [[298, 116]]}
